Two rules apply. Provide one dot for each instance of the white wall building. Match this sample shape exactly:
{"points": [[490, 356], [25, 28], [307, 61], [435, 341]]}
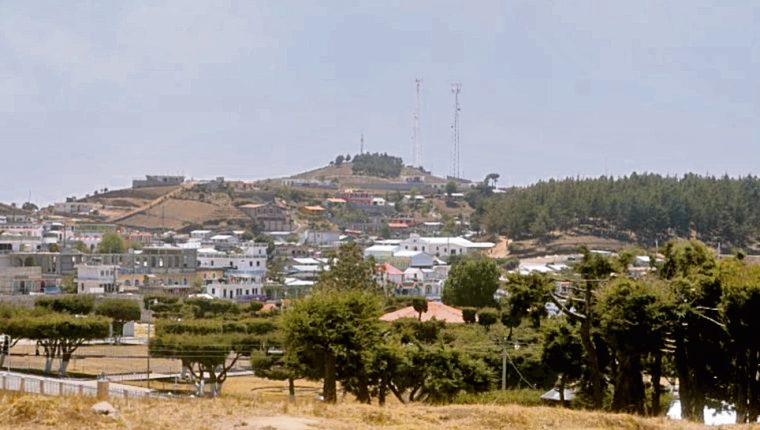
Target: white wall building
{"points": [[209, 258], [97, 278], [443, 246], [238, 285]]}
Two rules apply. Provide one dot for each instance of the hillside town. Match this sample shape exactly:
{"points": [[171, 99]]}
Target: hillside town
{"points": [[90, 246]]}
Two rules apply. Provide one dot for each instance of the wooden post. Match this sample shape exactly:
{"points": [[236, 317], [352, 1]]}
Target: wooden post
{"points": [[60, 388], [21, 385], [81, 390], [4, 384], [102, 389]]}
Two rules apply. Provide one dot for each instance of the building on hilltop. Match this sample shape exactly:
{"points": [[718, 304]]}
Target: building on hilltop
{"points": [[158, 181]]}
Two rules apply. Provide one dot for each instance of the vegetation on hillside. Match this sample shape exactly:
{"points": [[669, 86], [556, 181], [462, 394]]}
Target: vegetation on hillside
{"points": [[376, 164], [649, 206]]}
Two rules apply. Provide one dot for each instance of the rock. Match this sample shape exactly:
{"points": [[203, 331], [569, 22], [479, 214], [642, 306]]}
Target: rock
{"points": [[104, 408]]}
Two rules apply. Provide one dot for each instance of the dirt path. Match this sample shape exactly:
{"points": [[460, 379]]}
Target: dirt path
{"points": [[277, 422]]}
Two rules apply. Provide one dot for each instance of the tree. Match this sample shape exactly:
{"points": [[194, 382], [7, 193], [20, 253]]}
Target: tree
{"points": [[488, 317], [59, 335], [121, 311], [491, 180], [81, 247], [469, 314], [29, 206], [739, 309], [111, 243], [562, 352], [78, 304], [349, 271], [451, 188], [330, 334], [208, 349], [527, 298], [420, 306], [633, 319], [472, 282], [594, 269]]}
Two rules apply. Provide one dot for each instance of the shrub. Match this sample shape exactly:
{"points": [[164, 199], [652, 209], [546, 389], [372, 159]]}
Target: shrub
{"points": [[468, 315], [488, 317]]}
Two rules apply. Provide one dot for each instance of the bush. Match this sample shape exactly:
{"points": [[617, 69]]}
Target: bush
{"points": [[468, 315], [488, 317], [81, 304]]}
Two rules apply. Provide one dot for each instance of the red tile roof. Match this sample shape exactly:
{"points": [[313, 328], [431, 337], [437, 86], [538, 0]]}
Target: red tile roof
{"points": [[436, 310]]}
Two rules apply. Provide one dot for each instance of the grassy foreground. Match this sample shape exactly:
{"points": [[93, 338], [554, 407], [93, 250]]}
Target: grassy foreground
{"points": [[36, 412]]}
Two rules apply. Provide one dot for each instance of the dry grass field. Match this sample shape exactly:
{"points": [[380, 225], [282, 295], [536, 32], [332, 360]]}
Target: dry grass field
{"points": [[233, 412], [106, 359]]}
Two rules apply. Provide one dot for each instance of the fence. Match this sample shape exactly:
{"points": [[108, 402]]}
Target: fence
{"points": [[50, 387]]}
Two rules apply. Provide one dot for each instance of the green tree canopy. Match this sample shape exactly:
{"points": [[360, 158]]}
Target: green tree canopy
{"points": [[121, 311], [472, 282], [112, 243]]}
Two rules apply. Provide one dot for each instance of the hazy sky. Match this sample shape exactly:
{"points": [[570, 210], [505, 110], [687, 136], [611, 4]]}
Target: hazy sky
{"points": [[94, 93]]}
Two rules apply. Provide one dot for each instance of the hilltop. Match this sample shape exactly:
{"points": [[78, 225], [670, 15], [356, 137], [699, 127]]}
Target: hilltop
{"points": [[213, 204], [343, 175]]}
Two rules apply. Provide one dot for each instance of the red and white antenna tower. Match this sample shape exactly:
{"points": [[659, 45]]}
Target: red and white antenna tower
{"points": [[416, 144], [456, 88]]}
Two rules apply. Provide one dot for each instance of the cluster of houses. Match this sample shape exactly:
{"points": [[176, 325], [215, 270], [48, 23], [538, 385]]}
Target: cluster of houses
{"points": [[44, 257]]}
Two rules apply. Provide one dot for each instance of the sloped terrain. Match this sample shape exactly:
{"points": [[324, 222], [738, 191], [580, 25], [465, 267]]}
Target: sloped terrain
{"points": [[36, 412]]}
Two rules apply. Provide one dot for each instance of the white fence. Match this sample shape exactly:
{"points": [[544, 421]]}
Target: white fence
{"points": [[48, 387]]}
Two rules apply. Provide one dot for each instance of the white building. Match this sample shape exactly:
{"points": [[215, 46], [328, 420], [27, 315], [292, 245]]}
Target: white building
{"points": [[209, 258], [201, 234], [76, 208], [381, 252], [443, 246], [97, 278], [239, 285], [322, 238]]}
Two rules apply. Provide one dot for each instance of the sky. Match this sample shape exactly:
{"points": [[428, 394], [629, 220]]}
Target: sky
{"points": [[96, 93]]}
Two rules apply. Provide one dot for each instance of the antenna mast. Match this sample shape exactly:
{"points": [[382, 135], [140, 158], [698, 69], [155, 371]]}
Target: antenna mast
{"points": [[417, 145], [361, 144], [456, 88]]}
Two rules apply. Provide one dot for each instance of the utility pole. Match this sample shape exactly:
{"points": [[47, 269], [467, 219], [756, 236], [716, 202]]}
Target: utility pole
{"points": [[504, 364], [361, 144], [416, 144], [147, 355], [456, 88]]}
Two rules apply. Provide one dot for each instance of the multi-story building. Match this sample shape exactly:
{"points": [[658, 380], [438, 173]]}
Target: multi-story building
{"points": [[241, 285], [269, 216], [97, 278]]}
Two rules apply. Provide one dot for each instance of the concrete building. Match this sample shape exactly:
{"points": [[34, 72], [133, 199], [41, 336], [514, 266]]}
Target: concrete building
{"points": [[21, 280], [322, 238], [269, 216], [96, 278], [76, 208], [444, 246], [158, 181], [241, 285]]}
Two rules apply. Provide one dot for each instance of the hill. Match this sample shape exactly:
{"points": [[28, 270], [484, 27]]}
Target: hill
{"points": [[641, 208], [344, 175], [37, 412]]}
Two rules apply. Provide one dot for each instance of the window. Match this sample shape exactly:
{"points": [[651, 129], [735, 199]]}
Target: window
{"points": [[258, 263], [250, 263]]}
